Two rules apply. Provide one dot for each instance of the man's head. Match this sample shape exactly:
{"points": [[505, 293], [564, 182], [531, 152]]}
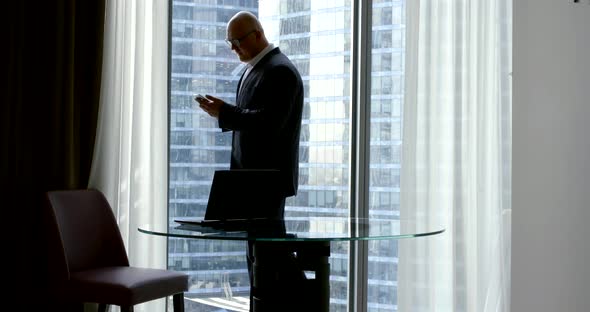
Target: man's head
{"points": [[245, 35]]}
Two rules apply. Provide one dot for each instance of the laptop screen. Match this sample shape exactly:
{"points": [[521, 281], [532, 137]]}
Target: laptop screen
{"points": [[245, 194]]}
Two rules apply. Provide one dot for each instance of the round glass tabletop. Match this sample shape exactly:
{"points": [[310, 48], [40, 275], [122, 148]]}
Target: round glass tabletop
{"points": [[295, 229]]}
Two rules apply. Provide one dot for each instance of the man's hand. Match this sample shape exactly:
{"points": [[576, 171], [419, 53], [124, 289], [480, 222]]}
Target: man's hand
{"points": [[210, 104]]}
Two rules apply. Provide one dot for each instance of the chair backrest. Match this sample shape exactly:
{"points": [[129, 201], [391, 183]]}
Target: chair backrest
{"points": [[88, 235]]}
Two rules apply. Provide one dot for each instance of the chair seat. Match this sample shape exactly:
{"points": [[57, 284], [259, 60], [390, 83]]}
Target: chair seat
{"points": [[124, 286]]}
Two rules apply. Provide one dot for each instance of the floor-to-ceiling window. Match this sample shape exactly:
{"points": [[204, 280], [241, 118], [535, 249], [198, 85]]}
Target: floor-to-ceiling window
{"points": [[318, 37]]}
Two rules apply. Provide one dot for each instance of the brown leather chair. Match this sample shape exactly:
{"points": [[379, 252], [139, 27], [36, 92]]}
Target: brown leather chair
{"points": [[89, 262]]}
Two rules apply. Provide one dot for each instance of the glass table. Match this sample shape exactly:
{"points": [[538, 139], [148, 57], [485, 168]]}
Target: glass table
{"points": [[284, 249]]}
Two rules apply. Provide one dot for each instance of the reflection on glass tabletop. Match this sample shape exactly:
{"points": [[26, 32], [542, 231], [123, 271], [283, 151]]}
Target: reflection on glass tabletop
{"points": [[295, 229]]}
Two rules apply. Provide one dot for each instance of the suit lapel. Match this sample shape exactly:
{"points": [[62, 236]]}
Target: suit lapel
{"points": [[253, 73], [239, 86]]}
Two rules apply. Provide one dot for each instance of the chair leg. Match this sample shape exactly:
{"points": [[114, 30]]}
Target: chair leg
{"points": [[102, 307], [126, 309], [178, 302]]}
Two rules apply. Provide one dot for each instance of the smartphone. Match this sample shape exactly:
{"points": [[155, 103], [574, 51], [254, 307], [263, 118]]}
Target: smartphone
{"points": [[199, 97]]}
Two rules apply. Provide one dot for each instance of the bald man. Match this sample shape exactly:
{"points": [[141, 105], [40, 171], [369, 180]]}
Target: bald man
{"points": [[266, 119]]}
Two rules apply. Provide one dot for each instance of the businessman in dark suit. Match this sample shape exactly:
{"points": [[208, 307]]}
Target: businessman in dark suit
{"points": [[266, 119]]}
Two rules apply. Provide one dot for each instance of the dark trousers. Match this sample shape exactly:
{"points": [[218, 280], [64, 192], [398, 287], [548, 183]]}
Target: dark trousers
{"points": [[250, 251], [286, 260]]}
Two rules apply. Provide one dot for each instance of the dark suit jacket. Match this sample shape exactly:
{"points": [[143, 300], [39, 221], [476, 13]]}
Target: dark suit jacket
{"points": [[266, 120]]}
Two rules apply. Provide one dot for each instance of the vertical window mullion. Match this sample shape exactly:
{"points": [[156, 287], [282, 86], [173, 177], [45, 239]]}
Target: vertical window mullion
{"points": [[360, 147], [169, 103]]}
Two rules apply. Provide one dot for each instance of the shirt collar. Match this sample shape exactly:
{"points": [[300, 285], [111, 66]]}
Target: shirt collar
{"points": [[260, 55]]}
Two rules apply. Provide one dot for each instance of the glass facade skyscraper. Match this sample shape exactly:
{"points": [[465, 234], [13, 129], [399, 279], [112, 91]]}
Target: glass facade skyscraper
{"points": [[317, 37]]}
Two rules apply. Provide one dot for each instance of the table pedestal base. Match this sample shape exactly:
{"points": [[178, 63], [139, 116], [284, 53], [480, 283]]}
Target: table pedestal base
{"points": [[291, 276]]}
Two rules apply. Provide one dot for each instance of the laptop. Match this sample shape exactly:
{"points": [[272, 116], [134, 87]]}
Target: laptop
{"points": [[245, 194], [241, 195]]}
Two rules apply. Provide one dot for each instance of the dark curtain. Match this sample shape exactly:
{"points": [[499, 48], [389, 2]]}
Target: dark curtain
{"points": [[51, 56]]}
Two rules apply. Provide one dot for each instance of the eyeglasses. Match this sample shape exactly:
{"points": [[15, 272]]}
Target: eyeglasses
{"points": [[236, 42]]}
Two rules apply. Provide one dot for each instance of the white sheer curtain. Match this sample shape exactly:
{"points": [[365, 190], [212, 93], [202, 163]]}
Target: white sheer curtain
{"points": [[130, 155], [456, 159]]}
